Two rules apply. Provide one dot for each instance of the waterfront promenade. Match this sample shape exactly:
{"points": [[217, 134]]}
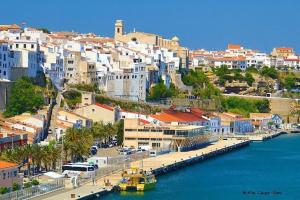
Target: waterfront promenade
{"points": [[159, 165]]}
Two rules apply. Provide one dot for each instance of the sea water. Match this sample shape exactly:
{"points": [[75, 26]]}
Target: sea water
{"points": [[264, 170]]}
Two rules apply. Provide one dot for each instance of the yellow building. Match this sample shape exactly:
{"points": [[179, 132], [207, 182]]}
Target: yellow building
{"points": [[99, 112], [138, 133], [152, 39]]}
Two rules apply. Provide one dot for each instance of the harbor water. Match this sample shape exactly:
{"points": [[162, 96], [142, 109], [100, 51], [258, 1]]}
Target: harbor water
{"points": [[264, 170]]}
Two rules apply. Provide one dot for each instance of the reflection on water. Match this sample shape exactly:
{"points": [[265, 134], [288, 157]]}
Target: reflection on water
{"points": [[132, 193]]}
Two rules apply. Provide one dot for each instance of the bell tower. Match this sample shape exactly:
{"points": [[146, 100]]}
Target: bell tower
{"points": [[119, 29]]}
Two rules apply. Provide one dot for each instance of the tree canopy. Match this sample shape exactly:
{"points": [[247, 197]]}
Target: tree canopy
{"points": [[25, 97], [245, 106]]}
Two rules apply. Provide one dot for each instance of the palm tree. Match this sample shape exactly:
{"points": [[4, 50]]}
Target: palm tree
{"points": [[77, 142], [28, 156], [54, 154], [110, 131], [37, 155], [98, 130]]}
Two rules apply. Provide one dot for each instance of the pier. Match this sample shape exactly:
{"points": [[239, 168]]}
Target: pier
{"points": [[260, 136], [159, 165]]}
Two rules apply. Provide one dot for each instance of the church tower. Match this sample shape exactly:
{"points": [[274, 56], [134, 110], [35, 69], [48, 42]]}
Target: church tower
{"points": [[119, 29]]}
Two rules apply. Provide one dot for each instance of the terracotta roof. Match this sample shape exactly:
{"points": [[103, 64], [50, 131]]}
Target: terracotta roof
{"points": [[4, 164], [282, 49], [8, 27], [233, 46], [105, 106], [179, 116], [256, 123], [236, 58]]}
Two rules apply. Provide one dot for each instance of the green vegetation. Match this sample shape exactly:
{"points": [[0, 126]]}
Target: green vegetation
{"points": [[45, 30], [16, 187], [252, 69], [249, 78], [245, 106], [226, 74], [86, 87], [31, 183], [40, 156], [160, 91], [128, 105], [120, 131], [26, 96], [4, 190], [289, 82], [77, 143], [195, 79], [270, 72], [72, 97], [202, 88]]}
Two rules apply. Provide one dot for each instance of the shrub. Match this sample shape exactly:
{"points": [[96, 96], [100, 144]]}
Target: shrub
{"points": [[15, 187], [35, 182], [4, 190]]}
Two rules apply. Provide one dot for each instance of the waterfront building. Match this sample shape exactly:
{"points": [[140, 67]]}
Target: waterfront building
{"points": [[234, 124], [265, 120], [9, 175], [138, 133], [182, 116]]}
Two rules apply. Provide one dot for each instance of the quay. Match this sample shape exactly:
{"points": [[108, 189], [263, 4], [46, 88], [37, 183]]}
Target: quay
{"points": [[159, 165], [260, 136]]}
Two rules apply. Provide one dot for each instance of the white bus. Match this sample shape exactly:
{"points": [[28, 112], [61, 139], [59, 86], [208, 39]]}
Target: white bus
{"points": [[86, 171]]}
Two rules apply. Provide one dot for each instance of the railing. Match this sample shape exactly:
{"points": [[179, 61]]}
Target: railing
{"points": [[34, 191], [116, 164]]}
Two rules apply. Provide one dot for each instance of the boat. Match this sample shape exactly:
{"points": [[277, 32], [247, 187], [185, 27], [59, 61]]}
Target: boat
{"points": [[136, 180]]}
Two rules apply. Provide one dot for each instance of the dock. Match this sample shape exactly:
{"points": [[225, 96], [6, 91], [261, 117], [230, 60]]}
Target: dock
{"points": [[159, 165], [259, 137]]}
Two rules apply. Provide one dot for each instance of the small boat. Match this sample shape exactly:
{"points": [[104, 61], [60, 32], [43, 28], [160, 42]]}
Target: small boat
{"points": [[136, 180]]}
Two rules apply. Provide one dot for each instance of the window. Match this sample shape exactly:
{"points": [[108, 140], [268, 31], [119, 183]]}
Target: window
{"points": [[17, 45], [24, 46], [32, 46]]}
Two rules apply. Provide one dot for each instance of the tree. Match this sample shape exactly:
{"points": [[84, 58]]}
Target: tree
{"points": [[159, 91], [263, 106], [269, 72], [249, 78], [98, 130], [77, 142], [207, 92], [25, 97], [72, 97], [120, 131], [195, 79], [45, 30], [289, 82]]}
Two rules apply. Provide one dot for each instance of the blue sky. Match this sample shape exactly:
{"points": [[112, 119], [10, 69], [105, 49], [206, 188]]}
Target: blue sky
{"points": [[210, 24]]}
